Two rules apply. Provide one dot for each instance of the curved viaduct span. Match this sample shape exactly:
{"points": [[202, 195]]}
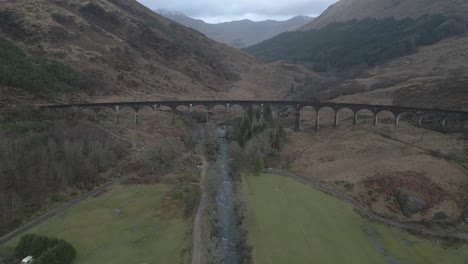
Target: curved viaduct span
{"points": [[419, 113]]}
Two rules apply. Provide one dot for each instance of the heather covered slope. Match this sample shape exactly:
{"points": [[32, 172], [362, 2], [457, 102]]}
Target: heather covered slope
{"points": [[122, 48], [345, 10], [389, 54]]}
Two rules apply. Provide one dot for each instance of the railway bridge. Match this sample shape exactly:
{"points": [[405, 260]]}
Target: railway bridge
{"points": [[398, 111]]}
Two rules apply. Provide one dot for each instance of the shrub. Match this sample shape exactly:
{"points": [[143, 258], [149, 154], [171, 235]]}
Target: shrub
{"points": [[24, 245], [46, 250], [34, 245], [61, 253]]}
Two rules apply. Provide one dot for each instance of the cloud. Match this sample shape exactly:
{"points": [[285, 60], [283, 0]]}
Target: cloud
{"points": [[239, 9]]}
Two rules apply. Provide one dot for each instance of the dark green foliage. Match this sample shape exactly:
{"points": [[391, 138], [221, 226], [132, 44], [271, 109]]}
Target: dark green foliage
{"points": [[278, 138], [258, 168], [99, 15], [9, 24], [24, 245], [339, 46], [23, 127], [38, 76], [46, 250], [61, 253]]}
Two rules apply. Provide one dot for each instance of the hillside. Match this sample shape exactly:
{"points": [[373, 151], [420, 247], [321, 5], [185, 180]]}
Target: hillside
{"points": [[436, 76], [345, 10], [373, 53], [341, 45], [122, 49], [239, 34]]}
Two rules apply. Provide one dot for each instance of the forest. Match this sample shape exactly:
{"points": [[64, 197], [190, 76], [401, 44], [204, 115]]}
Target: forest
{"points": [[46, 161]]}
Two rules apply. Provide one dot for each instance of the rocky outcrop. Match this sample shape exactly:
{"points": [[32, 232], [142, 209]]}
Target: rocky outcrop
{"points": [[410, 203]]}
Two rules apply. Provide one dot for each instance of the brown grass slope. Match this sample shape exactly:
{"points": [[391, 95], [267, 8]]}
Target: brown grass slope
{"points": [[435, 77], [127, 50], [345, 10]]}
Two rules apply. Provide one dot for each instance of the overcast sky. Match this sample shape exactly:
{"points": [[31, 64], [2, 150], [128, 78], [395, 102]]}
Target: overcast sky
{"points": [[215, 11]]}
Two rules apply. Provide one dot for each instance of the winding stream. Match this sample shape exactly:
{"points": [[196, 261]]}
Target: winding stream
{"points": [[227, 233]]}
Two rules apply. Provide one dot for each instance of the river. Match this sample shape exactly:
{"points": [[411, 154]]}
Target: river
{"points": [[228, 233]]}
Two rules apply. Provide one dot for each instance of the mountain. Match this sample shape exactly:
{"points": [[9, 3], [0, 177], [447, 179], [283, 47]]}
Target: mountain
{"points": [[238, 34], [397, 53], [345, 10], [115, 48]]}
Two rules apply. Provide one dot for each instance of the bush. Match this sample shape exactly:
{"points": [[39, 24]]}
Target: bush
{"points": [[61, 253], [24, 245], [36, 246], [46, 250]]}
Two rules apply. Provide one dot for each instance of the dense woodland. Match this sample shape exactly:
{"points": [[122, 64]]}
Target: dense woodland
{"points": [[40, 159], [340, 46]]}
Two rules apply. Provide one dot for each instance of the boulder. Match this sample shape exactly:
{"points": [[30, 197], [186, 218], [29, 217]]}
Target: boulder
{"points": [[409, 202]]}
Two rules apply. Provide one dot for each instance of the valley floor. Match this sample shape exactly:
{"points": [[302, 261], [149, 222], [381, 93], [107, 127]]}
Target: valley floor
{"points": [[293, 223], [120, 226]]}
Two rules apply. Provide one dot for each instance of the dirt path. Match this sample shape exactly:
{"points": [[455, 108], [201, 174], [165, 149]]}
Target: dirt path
{"points": [[41, 219], [197, 225], [366, 212]]}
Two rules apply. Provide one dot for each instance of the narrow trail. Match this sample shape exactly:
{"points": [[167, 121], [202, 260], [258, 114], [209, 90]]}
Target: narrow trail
{"points": [[366, 212], [46, 216], [197, 225]]}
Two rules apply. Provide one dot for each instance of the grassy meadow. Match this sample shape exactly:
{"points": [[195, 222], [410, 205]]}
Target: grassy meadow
{"points": [[294, 223], [124, 225]]}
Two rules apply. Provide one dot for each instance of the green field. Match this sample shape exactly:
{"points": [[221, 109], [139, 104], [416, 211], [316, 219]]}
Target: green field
{"points": [[121, 226], [294, 223]]}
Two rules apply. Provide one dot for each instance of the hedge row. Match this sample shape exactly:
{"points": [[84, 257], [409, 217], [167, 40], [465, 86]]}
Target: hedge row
{"points": [[45, 250]]}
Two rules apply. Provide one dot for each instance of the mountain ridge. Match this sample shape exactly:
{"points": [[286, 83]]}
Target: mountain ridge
{"points": [[346, 10], [239, 33], [125, 49]]}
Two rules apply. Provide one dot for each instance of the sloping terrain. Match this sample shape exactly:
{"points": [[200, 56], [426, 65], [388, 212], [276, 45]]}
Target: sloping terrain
{"points": [[436, 77], [123, 49], [345, 10], [408, 52], [373, 163], [239, 34], [341, 46]]}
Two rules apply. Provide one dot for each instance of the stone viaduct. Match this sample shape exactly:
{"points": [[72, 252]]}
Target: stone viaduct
{"points": [[398, 112]]}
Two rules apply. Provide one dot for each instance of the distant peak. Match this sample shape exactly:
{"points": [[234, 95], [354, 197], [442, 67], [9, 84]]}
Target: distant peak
{"points": [[169, 12]]}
